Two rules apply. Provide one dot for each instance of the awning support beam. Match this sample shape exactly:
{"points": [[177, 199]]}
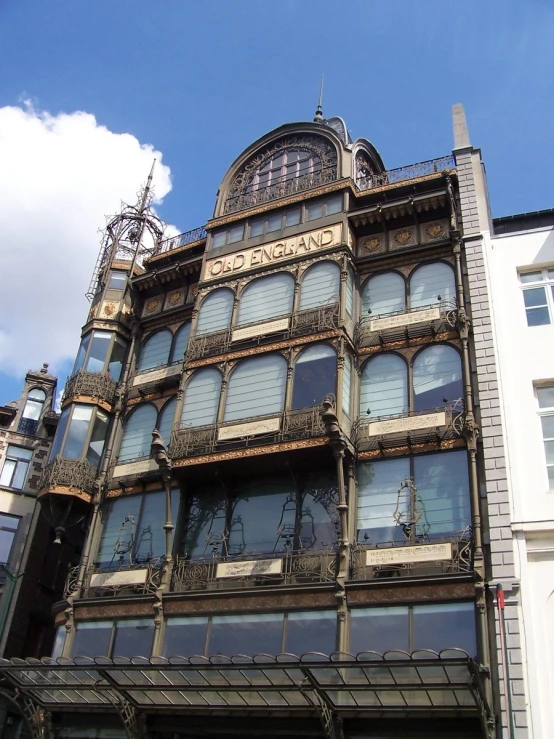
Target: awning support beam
{"points": [[332, 725], [133, 722]]}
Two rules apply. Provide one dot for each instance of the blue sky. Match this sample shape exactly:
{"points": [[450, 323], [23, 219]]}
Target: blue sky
{"points": [[199, 81]]}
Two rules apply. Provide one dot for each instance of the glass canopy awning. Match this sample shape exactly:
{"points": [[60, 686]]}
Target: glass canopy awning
{"points": [[394, 684]]}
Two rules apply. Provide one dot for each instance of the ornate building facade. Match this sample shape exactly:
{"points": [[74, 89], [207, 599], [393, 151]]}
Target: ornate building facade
{"points": [[272, 428]]}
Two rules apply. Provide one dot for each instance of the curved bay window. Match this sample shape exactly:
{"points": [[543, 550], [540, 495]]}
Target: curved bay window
{"points": [[139, 424], [435, 380], [215, 312], [428, 285], [320, 285], [315, 376], [81, 433], [261, 517], [266, 298], [256, 388], [435, 506], [101, 351], [32, 411], [133, 532], [201, 398]]}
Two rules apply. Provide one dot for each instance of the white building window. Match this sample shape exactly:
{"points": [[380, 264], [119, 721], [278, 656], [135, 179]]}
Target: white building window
{"points": [[8, 530], [545, 397], [538, 296], [16, 467]]}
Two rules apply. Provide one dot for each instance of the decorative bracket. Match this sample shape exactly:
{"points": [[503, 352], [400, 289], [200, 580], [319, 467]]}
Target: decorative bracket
{"points": [[332, 725], [133, 722], [38, 719]]}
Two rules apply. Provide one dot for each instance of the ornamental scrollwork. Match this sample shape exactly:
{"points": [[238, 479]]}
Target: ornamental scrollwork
{"points": [[100, 385], [73, 473]]}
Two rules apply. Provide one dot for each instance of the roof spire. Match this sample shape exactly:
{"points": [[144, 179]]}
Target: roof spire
{"points": [[319, 112], [146, 191]]}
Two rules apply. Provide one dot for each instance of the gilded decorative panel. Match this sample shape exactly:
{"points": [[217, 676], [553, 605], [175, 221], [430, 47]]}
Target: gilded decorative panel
{"points": [[401, 238], [369, 245], [174, 298], [152, 305], [434, 231]]}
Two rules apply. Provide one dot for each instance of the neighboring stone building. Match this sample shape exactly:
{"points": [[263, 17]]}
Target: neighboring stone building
{"points": [[283, 429], [519, 266]]}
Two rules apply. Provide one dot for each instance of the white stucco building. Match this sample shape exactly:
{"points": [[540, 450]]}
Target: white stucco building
{"points": [[519, 263]]}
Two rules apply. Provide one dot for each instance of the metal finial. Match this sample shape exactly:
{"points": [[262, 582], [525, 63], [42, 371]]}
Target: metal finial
{"points": [[144, 201], [319, 112]]}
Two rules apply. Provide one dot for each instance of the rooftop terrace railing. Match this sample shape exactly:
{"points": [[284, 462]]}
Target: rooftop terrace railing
{"points": [[184, 239], [409, 172]]}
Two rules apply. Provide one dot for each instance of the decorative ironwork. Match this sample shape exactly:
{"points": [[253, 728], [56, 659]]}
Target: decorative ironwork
{"points": [[99, 385], [150, 585], [71, 581], [300, 568], [323, 318], [304, 423], [242, 195], [184, 239], [404, 326], [27, 426], [461, 560], [409, 433], [368, 180], [38, 718], [77, 474]]}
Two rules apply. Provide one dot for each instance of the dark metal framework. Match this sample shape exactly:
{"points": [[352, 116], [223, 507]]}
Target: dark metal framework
{"points": [[77, 474], [184, 239], [99, 385], [368, 180]]}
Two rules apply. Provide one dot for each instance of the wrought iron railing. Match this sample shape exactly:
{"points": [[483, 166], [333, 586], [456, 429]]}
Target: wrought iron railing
{"points": [[414, 426], [372, 330], [176, 242], [28, 426], [304, 423], [99, 385], [254, 570], [311, 321], [427, 556], [409, 172], [116, 585], [77, 474], [280, 188]]}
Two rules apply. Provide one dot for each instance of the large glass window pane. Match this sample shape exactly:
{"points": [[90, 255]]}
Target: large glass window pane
{"points": [[165, 420], [117, 280], [334, 204], [347, 385], [81, 353], [378, 485], [150, 535], [443, 490], [34, 403], [8, 472], [206, 523], [318, 512], [350, 294], [536, 307], [383, 294], [262, 518], [78, 431], [320, 285], [256, 388], [133, 638], [215, 312], [120, 520], [60, 431], [16, 466], [437, 375], [8, 530], [236, 233], [432, 284], [98, 352], [293, 216], [219, 238], [315, 376], [201, 399], [545, 396], [117, 358], [92, 639], [185, 637], [246, 633], [137, 434], [311, 631], [180, 343], [384, 386], [98, 438], [256, 227], [445, 626], [266, 298], [155, 351], [274, 222], [315, 210], [379, 629]]}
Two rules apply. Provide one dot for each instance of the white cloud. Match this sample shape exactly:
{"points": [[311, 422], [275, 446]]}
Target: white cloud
{"points": [[60, 175]]}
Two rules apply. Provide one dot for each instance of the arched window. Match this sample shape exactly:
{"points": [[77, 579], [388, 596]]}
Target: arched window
{"points": [[437, 373], [432, 283], [137, 434], [155, 350], [287, 164], [320, 285], [256, 387], [215, 312], [266, 297], [201, 398], [384, 386], [165, 420], [315, 376], [384, 293], [28, 423], [180, 341]]}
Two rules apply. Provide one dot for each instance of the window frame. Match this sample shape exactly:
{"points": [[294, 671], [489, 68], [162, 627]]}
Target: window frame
{"points": [[546, 282], [159, 412], [304, 350], [143, 344], [5, 528], [95, 413], [113, 634], [545, 411], [17, 461], [89, 337]]}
